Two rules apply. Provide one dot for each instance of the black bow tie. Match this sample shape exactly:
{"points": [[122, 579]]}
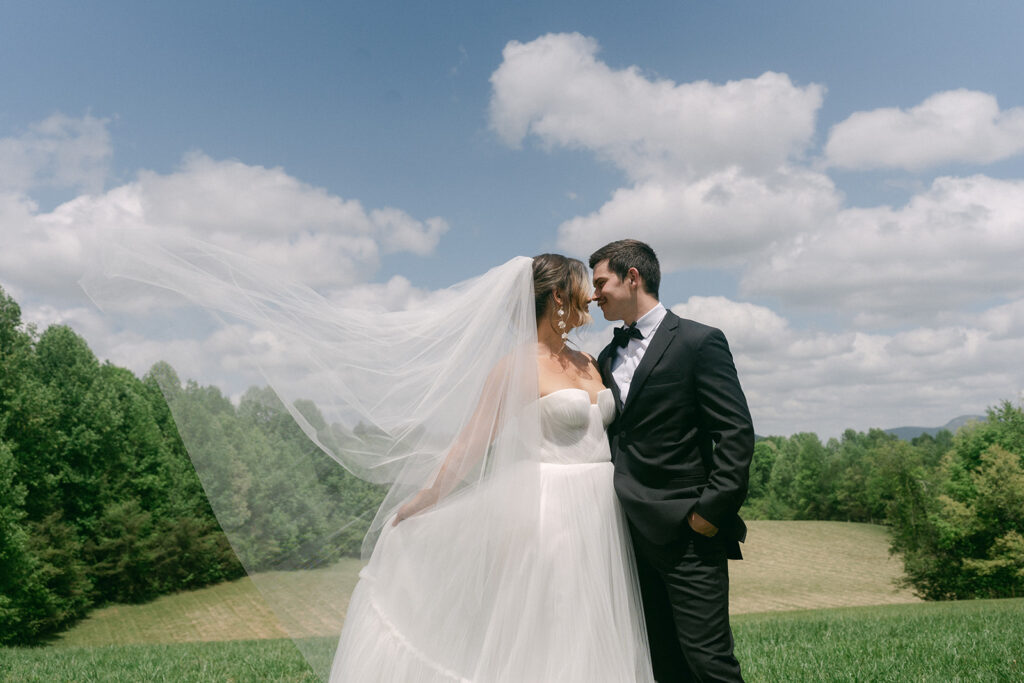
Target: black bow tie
{"points": [[622, 335]]}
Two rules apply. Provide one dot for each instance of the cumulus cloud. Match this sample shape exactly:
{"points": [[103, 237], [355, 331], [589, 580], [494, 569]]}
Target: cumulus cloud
{"points": [[301, 231], [197, 354], [720, 219], [960, 243], [750, 327], [556, 89], [232, 356], [288, 230], [1005, 321], [829, 381], [397, 294], [716, 177], [712, 166], [952, 126], [59, 151], [398, 231]]}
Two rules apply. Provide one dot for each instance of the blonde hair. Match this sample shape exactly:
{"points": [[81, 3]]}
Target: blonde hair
{"points": [[567, 276]]}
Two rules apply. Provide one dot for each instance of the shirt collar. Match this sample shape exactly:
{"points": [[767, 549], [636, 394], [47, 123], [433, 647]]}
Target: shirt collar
{"points": [[649, 321]]}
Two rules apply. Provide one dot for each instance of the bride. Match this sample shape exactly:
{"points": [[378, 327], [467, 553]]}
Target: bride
{"points": [[555, 597], [500, 552]]}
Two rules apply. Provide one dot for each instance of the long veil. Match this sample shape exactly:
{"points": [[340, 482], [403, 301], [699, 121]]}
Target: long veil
{"points": [[389, 402]]}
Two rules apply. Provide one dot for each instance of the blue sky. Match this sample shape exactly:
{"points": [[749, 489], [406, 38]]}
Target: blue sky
{"points": [[873, 156]]}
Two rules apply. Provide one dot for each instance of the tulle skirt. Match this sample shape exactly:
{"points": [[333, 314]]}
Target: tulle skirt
{"points": [[440, 601]]}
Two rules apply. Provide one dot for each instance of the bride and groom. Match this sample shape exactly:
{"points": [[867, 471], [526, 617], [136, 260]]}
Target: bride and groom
{"points": [[639, 468], [550, 516]]}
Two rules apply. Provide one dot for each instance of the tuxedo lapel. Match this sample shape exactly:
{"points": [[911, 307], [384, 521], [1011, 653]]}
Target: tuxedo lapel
{"points": [[662, 338], [606, 372]]}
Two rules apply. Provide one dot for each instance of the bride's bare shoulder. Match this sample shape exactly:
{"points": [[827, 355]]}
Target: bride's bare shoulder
{"points": [[582, 359]]}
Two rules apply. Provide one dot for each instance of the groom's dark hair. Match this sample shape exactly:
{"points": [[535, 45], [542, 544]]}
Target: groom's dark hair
{"points": [[625, 254]]}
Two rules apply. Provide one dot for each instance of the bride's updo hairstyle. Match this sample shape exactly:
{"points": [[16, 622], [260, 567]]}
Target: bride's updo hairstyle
{"points": [[567, 276]]}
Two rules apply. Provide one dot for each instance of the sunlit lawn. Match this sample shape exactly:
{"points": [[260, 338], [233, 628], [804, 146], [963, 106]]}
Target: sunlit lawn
{"points": [[963, 641], [228, 632], [788, 565]]}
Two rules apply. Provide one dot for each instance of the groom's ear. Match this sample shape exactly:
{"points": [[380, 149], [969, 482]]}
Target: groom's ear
{"points": [[633, 277]]}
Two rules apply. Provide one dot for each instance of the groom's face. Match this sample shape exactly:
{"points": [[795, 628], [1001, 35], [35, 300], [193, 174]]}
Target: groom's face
{"points": [[611, 293]]}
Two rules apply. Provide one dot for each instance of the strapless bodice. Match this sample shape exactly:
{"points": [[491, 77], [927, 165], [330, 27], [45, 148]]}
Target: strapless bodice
{"points": [[573, 428]]}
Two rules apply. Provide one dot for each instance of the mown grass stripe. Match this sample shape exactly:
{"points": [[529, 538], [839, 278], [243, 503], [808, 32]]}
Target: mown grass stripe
{"points": [[788, 565]]}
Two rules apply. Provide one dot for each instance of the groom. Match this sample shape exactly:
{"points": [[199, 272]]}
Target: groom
{"points": [[682, 444]]}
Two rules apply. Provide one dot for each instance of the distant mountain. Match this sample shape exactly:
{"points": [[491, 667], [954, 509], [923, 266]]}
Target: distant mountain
{"points": [[908, 433]]}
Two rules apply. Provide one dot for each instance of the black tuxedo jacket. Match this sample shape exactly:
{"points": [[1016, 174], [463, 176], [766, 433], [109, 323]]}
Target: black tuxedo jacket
{"points": [[683, 440]]}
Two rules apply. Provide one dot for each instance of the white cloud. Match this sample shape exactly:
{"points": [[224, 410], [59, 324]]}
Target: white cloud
{"points": [[716, 175], [221, 359], [83, 320], [275, 228], [749, 326], [555, 88], [399, 231], [59, 151], [229, 356], [720, 219], [827, 382], [396, 294], [717, 179], [1005, 321], [711, 165], [952, 126], [303, 232], [127, 348], [958, 244]]}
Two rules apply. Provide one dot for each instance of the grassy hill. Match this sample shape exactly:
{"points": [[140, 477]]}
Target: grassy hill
{"points": [[788, 566], [812, 565], [310, 603]]}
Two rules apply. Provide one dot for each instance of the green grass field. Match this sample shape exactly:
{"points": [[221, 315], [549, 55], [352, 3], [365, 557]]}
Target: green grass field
{"points": [[965, 641], [308, 604], [810, 565], [788, 565], [977, 640], [811, 601]]}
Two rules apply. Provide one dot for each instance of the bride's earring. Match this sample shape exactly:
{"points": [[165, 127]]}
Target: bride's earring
{"points": [[561, 322]]}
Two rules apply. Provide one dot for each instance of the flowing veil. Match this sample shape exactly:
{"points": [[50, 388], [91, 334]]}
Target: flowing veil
{"points": [[390, 402]]}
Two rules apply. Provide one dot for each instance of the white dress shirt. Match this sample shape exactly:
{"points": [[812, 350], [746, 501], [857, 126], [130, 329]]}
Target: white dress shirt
{"points": [[627, 358]]}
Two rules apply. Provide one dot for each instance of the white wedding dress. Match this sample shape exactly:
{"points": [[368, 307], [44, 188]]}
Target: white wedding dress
{"points": [[574, 614], [523, 573]]}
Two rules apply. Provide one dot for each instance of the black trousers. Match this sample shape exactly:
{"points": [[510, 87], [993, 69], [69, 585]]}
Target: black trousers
{"points": [[685, 590]]}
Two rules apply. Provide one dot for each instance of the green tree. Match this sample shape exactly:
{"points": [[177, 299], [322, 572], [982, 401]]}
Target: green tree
{"points": [[961, 526], [863, 489], [17, 568], [44, 585], [761, 465], [801, 478], [98, 500]]}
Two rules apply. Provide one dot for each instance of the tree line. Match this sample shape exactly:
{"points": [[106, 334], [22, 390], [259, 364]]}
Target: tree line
{"points": [[100, 503], [954, 503]]}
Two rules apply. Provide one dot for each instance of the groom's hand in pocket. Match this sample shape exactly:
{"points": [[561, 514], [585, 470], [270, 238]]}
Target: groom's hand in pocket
{"points": [[701, 525]]}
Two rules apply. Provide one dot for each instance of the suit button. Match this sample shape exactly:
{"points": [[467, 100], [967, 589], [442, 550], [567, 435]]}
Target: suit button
{"points": [[623, 434]]}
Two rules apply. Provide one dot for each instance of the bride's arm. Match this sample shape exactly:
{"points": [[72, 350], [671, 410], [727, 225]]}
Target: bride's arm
{"points": [[468, 449]]}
